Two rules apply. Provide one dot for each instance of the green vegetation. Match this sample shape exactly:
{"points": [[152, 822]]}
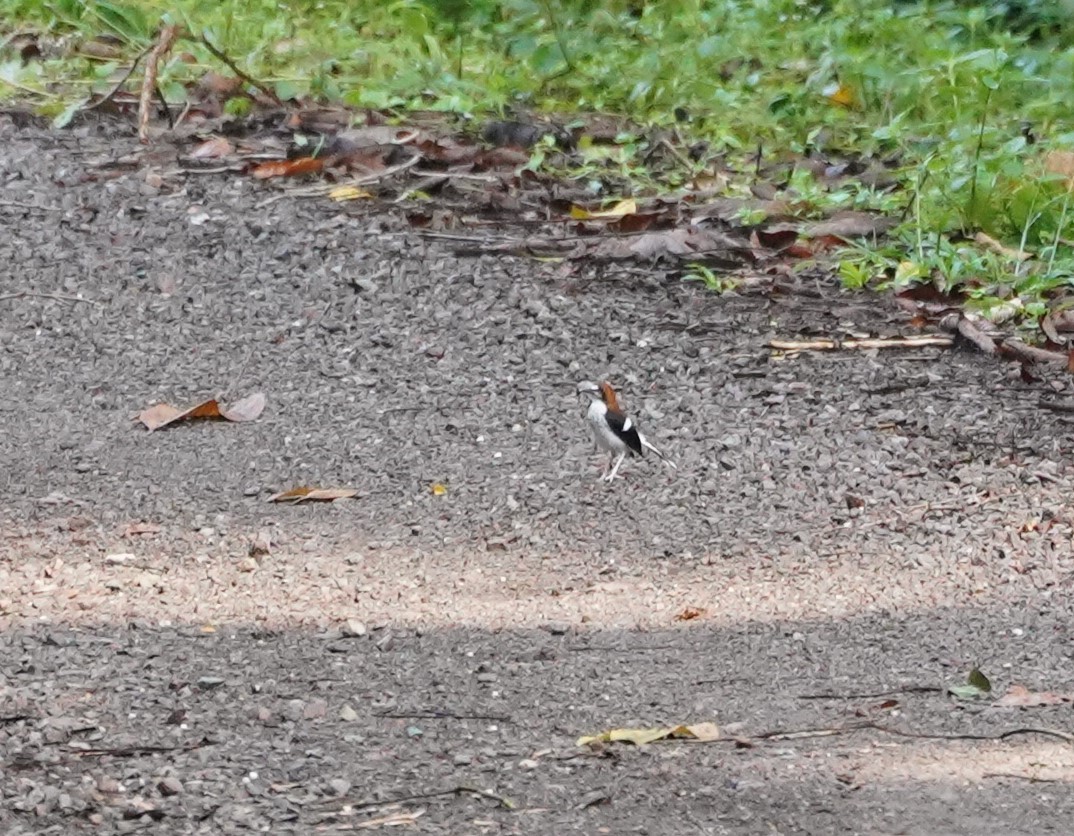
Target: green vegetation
{"points": [[963, 104]]}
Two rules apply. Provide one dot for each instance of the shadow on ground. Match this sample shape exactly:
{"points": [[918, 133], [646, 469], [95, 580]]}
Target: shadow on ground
{"points": [[843, 524]]}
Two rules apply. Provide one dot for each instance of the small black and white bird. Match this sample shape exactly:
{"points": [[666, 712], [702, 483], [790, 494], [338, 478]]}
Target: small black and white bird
{"points": [[613, 430]]}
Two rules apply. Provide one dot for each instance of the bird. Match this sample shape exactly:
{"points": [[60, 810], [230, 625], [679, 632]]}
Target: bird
{"points": [[613, 430]]}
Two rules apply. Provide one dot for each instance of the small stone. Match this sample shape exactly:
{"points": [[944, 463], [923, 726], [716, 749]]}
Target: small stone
{"points": [[208, 683], [170, 786], [348, 714], [248, 564], [462, 760], [119, 558], [339, 786], [486, 677], [556, 628], [315, 710], [353, 629]]}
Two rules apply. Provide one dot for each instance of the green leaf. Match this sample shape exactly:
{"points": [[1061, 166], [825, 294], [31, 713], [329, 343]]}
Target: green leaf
{"points": [[64, 117], [126, 21], [979, 680], [977, 686]]}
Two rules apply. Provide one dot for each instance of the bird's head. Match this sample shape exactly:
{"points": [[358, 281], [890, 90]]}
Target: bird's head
{"points": [[602, 391]]}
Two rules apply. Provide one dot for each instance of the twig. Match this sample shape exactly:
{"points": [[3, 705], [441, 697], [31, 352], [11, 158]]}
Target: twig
{"points": [[165, 41], [15, 204], [503, 801], [878, 342], [59, 297], [434, 714], [231, 65], [111, 94], [964, 328], [677, 154], [1030, 353], [135, 751], [1056, 406], [1033, 779], [865, 725], [911, 689]]}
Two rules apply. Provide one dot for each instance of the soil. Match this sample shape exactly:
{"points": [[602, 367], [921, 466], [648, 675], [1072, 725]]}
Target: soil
{"points": [[846, 535]]}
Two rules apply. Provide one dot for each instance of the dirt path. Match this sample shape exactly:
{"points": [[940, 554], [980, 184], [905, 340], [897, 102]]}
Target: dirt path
{"points": [[844, 524]]}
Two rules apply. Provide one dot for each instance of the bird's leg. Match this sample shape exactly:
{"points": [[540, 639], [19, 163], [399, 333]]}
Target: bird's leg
{"points": [[615, 467]]}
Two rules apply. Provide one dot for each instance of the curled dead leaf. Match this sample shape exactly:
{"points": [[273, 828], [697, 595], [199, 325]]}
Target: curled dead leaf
{"points": [[289, 168], [700, 732], [305, 494], [690, 613], [162, 415], [247, 409]]}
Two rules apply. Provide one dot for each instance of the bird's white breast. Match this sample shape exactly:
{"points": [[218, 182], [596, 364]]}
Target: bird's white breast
{"points": [[602, 433]]}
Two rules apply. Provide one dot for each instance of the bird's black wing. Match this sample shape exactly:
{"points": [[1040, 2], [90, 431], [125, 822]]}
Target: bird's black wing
{"points": [[623, 427]]}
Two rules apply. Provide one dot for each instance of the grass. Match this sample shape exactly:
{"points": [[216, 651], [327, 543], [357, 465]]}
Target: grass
{"points": [[967, 103]]}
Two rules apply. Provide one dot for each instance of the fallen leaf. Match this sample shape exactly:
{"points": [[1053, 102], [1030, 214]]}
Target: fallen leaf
{"points": [[212, 149], [162, 414], [690, 613], [850, 225], [977, 685], [1018, 696], [438, 489], [247, 409], [701, 732], [342, 193], [842, 95], [990, 243], [134, 529], [288, 168], [304, 494], [619, 210]]}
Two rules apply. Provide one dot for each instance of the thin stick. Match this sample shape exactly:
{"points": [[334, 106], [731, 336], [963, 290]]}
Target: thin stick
{"points": [[111, 94], [231, 65], [910, 689], [15, 204], [165, 41], [441, 715], [59, 297], [838, 345]]}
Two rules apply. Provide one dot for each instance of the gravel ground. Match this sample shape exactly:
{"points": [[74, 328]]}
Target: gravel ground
{"points": [[180, 655]]}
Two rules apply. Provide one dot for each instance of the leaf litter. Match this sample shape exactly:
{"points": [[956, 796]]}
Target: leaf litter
{"points": [[163, 415]]}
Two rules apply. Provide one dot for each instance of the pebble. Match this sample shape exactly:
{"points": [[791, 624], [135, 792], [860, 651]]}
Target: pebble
{"points": [[170, 785]]}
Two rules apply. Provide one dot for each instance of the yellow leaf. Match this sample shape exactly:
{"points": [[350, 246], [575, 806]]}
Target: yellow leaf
{"points": [[841, 95], [619, 210], [702, 732], [342, 193], [208, 628], [438, 489]]}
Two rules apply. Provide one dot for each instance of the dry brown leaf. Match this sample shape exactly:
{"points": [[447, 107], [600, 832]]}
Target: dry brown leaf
{"points": [[850, 225], [1062, 164], [288, 168], [162, 414], [690, 613], [134, 529], [305, 494], [1018, 696], [212, 149], [248, 409]]}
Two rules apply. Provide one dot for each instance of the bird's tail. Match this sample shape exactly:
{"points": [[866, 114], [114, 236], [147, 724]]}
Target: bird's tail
{"points": [[645, 443]]}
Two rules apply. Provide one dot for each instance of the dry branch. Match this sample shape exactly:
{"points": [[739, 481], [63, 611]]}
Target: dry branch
{"points": [[862, 344], [165, 42]]}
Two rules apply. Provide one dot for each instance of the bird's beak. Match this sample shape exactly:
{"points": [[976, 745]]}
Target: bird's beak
{"points": [[588, 387]]}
